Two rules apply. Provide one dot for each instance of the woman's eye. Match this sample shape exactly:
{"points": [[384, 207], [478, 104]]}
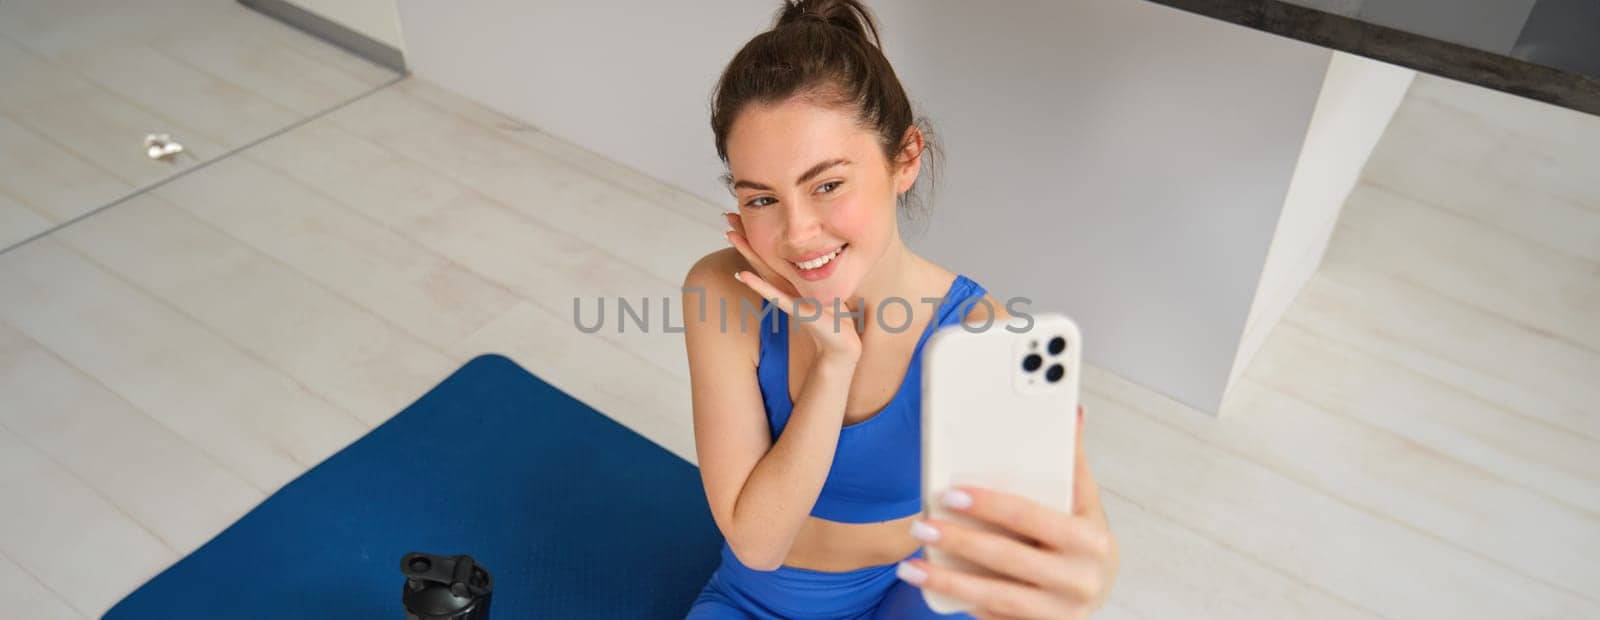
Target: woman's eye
{"points": [[755, 203]]}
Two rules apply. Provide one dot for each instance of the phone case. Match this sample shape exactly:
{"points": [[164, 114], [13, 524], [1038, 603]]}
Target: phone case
{"points": [[989, 421]]}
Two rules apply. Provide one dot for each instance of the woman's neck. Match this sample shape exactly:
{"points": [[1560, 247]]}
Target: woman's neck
{"points": [[900, 274]]}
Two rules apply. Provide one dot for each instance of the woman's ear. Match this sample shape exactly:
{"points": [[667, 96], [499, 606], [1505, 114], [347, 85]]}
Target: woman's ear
{"points": [[908, 160]]}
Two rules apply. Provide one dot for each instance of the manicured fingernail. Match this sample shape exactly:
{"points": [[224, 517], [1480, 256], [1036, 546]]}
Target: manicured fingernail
{"points": [[736, 276], [725, 236], [924, 532], [910, 573], [956, 498]]}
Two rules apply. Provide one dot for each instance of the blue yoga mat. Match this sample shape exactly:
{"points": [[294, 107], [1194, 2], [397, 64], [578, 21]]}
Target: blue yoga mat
{"points": [[575, 515]]}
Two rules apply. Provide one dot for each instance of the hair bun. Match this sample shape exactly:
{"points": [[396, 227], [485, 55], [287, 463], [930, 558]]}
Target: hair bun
{"points": [[847, 14]]}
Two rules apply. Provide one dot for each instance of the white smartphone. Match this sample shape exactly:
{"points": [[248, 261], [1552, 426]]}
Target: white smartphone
{"points": [[999, 410]]}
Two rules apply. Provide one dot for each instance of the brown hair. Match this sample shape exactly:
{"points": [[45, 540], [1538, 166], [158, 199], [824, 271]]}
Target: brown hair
{"points": [[828, 52]]}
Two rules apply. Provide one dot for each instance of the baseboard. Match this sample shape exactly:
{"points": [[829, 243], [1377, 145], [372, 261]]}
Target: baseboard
{"points": [[337, 34]]}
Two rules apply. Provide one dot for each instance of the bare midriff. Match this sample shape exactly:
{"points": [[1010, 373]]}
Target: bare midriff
{"points": [[834, 547]]}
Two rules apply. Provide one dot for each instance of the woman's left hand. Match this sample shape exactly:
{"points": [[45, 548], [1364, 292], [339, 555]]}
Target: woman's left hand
{"points": [[1064, 570]]}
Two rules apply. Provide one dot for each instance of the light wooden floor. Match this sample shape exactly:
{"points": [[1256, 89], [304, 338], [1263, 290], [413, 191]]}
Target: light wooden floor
{"points": [[1419, 439], [83, 81]]}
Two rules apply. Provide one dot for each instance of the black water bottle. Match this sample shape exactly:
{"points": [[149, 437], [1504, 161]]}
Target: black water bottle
{"points": [[449, 587]]}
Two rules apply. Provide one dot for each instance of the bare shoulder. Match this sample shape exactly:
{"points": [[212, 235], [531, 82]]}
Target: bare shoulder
{"points": [[710, 290], [981, 311], [714, 267], [714, 273]]}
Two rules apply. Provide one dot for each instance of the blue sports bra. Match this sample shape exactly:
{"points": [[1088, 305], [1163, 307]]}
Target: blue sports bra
{"points": [[877, 465]]}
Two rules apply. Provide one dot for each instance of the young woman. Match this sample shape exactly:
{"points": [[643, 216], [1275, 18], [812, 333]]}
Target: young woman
{"points": [[818, 499]]}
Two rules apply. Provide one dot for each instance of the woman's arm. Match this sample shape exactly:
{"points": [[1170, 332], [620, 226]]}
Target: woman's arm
{"points": [[760, 492], [1066, 572], [785, 484]]}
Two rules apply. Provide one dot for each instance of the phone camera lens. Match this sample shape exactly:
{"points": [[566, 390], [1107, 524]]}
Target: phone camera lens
{"points": [[1032, 362], [1057, 345], [1054, 374]]}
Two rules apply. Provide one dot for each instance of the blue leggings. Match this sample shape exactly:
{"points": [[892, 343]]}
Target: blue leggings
{"points": [[738, 591]]}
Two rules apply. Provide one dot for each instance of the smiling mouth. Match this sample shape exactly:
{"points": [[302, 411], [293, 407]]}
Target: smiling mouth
{"points": [[818, 262]]}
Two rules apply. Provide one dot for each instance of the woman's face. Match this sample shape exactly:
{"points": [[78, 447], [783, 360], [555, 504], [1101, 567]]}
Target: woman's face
{"points": [[809, 182]]}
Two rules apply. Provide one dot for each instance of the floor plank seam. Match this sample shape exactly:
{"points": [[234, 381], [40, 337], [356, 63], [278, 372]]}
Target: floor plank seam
{"points": [[1437, 453], [120, 398], [520, 214], [419, 246], [423, 247], [45, 586], [40, 58], [1542, 331], [1356, 348], [224, 339], [266, 97], [603, 177], [1240, 554], [1490, 227], [1314, 488], [399, 331], [92, 488], [48, 216], [190, 170]]}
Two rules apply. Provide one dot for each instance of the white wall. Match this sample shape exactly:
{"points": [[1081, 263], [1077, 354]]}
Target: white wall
{"points": [[1116, 160], [375, 18], [1359, 96]]}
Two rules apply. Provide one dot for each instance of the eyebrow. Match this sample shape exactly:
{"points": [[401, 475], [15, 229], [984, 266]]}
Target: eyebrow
{"points": [[813, 171]]}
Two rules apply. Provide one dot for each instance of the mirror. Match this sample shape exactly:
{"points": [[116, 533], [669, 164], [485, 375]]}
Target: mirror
{"points": [[103, 100]]}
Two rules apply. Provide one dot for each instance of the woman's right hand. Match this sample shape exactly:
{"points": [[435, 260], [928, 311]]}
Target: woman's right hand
{"points": [[843, 343]]}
